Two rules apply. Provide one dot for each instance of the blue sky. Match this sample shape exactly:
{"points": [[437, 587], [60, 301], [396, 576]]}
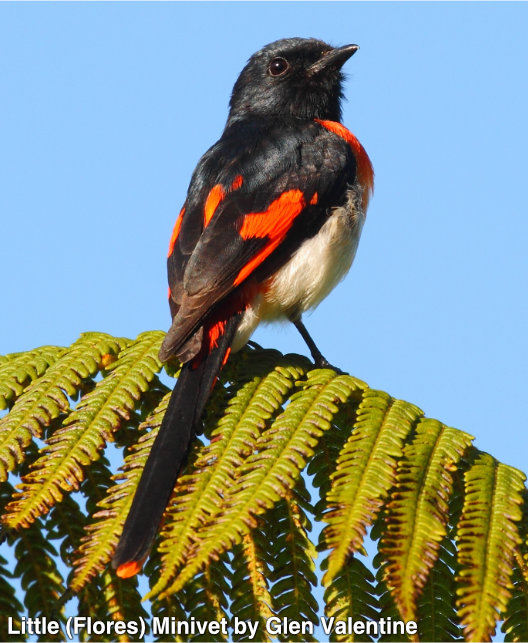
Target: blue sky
{"points": [[106, 109]]}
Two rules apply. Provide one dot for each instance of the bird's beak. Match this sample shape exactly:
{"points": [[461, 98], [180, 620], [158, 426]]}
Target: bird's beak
{"points": [[335, 58]]}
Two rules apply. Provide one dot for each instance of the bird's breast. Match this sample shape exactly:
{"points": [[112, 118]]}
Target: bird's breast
{"points": [[318, 265]]}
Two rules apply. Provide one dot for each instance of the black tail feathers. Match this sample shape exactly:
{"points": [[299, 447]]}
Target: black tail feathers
{"points": [[168, 455]]}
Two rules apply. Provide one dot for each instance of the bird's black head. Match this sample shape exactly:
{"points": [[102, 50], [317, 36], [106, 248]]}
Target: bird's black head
{"points": [[294, 78]]}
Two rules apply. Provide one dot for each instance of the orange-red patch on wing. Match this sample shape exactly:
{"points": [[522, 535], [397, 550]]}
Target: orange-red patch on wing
{"points": [[314, 199], [215, 196], [365, 172], [237, 183], [176, 231], [274, 223]]}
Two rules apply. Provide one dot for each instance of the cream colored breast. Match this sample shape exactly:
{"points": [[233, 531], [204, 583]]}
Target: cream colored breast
{"points": [[312, 272], [317, 266]]}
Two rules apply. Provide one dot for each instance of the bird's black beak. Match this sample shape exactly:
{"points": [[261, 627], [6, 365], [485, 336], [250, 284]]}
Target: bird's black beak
{"points": [[335, 58]]}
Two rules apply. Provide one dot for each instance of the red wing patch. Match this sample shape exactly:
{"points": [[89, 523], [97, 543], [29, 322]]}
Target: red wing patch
{"points": [[272, 224], [215, 196], [237, 183], [365, 172], [176, 231]]}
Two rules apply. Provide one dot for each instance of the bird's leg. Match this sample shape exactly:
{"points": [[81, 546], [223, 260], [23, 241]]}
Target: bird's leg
{"points": [[318, 358]]}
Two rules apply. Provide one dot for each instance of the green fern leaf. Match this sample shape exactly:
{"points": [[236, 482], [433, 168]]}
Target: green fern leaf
{"points": [[102, 534], [487, 538], [65, 524], [436, 610], [84, 434], [38, 573], [418, 511], [387, 606], [197, 496], [515, 626], [365, 473], [236, 540], [18, 370], [292, 559], [206, 600], [165, 610], [47, 396], [351, 595], [117, 604], [249, 586], [267, 475], [9, 605], [123, 602]]}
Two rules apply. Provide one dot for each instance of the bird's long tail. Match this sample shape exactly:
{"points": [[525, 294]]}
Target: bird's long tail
{"points": [[169, 453]]}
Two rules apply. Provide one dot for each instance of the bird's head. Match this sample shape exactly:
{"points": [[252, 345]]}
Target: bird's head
{"points": [[293, 78]]}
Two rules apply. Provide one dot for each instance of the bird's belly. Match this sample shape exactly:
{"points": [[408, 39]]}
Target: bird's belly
{"points": [[311, 273]]}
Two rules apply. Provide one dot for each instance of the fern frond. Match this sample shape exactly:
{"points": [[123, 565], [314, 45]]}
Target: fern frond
{"points": [[65, 524], [85, 432], [417, 514], [515, 626], [117, 604], [365, 473], [436, 610], [123, 602], [101, 536], [236, 537], [352, 595], [206, 599], [249, 586], [292, 556], [268, 474], [165, 610], [47, 397], [487, 537], [37, 570], [18, 370], [387, 606], [9, 604], [198, 497]]}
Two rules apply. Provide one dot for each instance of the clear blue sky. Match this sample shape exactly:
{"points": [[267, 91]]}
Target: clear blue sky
{"points": [[106, 108]]}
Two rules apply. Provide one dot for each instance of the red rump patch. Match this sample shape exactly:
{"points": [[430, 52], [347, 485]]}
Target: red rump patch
{"points": [[175, 231], [216, 331], [272, 224], [365, 172]]}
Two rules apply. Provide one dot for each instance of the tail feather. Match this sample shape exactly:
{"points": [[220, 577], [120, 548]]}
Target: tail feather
{"points": [[169, 454]]}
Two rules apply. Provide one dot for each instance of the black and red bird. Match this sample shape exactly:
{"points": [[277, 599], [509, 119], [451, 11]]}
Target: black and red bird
{"points": [[271, 223]]}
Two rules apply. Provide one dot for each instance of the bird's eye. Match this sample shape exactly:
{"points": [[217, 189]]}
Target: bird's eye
{"points": [[278, 66]]}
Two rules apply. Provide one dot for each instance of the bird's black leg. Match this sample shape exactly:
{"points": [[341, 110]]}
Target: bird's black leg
{"points": [[318, 358]]}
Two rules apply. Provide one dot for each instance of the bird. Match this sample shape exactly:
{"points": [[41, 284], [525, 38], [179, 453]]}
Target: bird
{"points": [[270, 224]]}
